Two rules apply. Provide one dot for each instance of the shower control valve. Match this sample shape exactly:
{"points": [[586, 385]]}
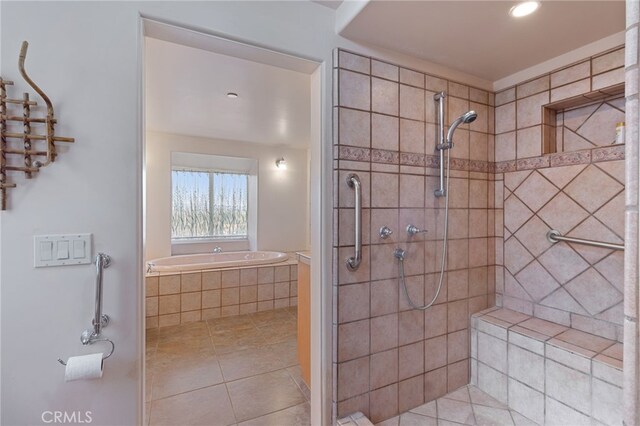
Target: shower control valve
{"points": [[385, 231], [413, 230]]}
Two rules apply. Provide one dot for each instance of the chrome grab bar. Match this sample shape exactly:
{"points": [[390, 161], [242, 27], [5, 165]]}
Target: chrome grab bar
{"points": [[353, 181], [100, 320], [554, 237]]}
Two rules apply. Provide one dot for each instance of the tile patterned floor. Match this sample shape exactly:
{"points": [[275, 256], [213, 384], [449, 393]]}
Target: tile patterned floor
{"points": [[239, 370], [465, 406]]}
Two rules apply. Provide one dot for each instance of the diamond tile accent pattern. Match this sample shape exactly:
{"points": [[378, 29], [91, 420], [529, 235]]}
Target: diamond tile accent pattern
{"points": [[568, 283], [465, 406]]}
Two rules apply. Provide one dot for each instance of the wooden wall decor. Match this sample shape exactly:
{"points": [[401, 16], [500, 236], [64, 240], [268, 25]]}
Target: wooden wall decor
{"points": [[36, 132]]}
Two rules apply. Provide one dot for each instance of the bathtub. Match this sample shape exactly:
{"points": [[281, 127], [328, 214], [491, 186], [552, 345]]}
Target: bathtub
{"points": [[199, 262]]}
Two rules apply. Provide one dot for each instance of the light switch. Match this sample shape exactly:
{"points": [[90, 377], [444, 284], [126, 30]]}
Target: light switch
{"points": [[78, 249], [46, 250], [63, 250]]}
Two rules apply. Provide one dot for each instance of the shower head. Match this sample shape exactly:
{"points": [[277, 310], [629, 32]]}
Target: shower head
{"points": [[466, 118], [469, 117]]}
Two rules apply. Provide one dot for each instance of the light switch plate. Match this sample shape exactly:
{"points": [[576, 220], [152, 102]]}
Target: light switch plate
{"points": [[61, 250]]}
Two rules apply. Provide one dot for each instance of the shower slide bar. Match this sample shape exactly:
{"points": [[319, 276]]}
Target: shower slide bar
{"points": [[353, 181], [554, 237]]}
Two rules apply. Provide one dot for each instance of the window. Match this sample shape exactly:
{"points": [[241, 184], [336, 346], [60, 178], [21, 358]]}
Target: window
{"points": [[209, 204]]}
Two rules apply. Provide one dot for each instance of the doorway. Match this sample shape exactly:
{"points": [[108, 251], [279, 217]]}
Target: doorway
{"points": [[222, 341]]}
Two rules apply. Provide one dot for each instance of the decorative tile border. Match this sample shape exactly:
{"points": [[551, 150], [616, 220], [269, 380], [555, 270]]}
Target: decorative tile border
{"points": [[570, 158], [479, 166], [411, 159], [608, 153], [532, 163], [504, 166], [382, 156], [595, 155], [353, 153], [431, 161]]}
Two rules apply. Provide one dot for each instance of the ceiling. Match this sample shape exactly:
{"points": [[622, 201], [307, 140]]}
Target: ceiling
{"points": [[186, 92], [332, 4], [479, 37]]}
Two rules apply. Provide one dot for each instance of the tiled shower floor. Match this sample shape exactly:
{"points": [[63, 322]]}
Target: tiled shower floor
{"points": [[236, 370], [467, 406]]}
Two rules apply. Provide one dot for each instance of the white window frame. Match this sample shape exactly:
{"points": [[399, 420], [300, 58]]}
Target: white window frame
{"points": [[221, 164]]}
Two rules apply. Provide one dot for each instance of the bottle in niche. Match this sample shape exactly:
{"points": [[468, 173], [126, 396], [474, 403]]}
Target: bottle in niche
{"points": [[619, 133]]}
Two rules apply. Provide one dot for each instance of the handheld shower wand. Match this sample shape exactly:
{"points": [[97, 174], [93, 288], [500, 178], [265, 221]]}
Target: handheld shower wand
{"points": [[447, 143], [466, 118], [444, 144]]}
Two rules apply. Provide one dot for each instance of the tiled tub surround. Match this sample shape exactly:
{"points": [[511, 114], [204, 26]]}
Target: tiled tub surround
{"points": [[580, 193], [173, 299], [389, 358], [551, 374]]}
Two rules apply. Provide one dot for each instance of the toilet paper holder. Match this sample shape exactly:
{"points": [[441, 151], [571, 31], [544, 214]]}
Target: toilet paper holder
{"points": [[113, 348], [100, 320]]}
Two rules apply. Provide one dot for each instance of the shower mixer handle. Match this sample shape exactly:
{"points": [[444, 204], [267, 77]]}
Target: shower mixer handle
{"points": [[399, 254], [413, 230], [385, 232]]}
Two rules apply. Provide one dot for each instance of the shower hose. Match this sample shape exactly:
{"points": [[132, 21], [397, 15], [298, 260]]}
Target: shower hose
{"points": [[399, 254]]}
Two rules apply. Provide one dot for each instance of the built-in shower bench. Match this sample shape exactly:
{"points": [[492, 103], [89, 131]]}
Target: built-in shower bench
{"points": [[550, 373]]}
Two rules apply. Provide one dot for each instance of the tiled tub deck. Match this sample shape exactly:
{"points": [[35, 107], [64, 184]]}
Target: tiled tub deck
{"points": [[179, 298], [551, 374]]}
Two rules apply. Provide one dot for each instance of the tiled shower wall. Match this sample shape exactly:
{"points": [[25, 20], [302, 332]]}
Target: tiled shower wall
{"points": [[579, 192], [390, 358]]}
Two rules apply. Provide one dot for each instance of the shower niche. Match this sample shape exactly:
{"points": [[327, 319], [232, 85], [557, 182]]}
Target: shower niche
{"points": [[583, 122]]}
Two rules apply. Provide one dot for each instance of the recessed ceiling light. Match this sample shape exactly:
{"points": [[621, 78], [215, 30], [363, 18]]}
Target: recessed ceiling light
{"points": [[232, 95], [523, 9]]}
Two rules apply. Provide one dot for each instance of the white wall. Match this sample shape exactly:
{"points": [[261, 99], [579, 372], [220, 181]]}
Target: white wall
{"points": [[92, 187], [87, 57], [283, 195]]}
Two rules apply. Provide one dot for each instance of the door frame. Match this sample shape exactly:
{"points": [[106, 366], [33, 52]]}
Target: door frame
{"points": [[320, 214]]}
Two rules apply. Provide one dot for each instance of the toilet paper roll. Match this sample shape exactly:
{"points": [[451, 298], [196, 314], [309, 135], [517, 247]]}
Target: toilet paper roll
{"points": [[84, 367]]}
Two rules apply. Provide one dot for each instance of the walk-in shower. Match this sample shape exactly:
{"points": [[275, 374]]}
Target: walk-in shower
{"points": [[444, 144]]}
